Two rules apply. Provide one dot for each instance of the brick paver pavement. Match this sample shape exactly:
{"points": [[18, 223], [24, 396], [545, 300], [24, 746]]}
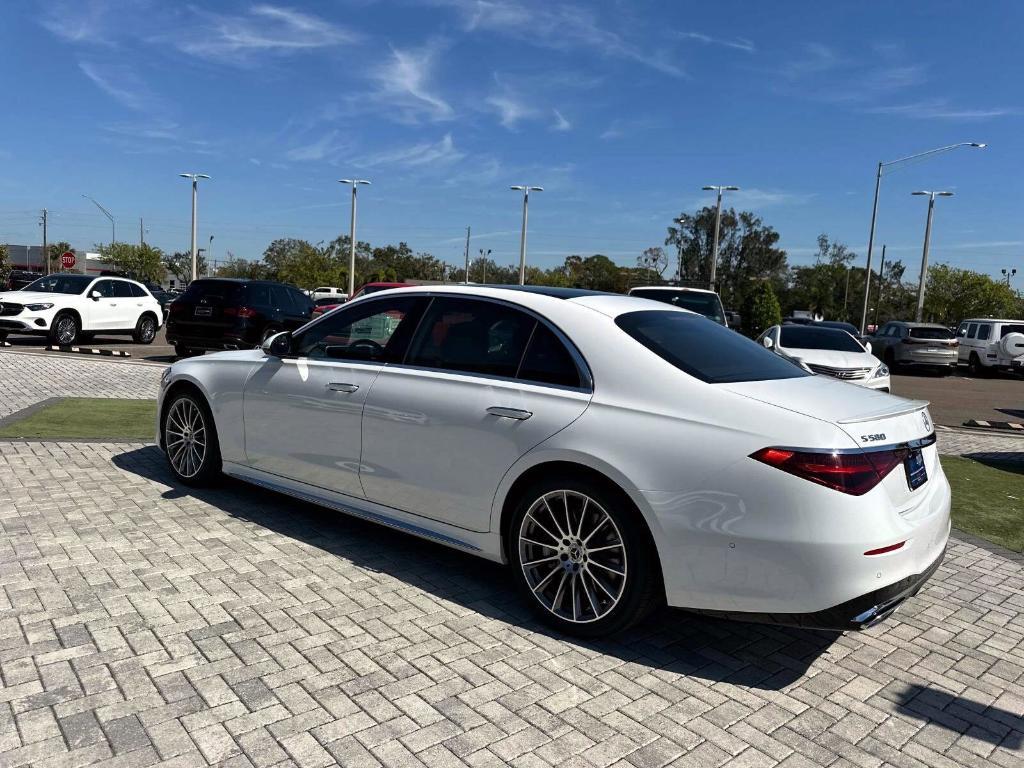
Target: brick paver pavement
{"points": [[144, 623]]}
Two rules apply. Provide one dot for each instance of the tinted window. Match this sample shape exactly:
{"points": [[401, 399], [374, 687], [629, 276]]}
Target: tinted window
{"points": [[548, 361], [137, 290], [329, 301], [472, 336], [302, 303], [280, 298], [122, 290], [220, 292], [105, 288], [962, 330], [258, 295], [984, 331], [60, 284], [1011, 328], [848, 327], [709, 352], [931, 333], [707, 304], [809, 337], [367, 331]]}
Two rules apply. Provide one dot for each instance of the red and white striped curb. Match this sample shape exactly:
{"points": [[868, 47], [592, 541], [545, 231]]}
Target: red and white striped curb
{"points": [[1012, 426]]}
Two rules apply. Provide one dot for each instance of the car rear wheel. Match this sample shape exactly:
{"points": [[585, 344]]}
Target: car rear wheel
{"points": [[145, 330], [64, 330], [583, 558], [183, 351], [3, 335], [190, 439], [974, 366], [889, 358]]}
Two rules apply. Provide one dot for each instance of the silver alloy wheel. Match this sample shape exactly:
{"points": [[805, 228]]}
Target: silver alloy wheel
{"points": [[573, 556], [185, 437], [65, 329], [148, 329]]}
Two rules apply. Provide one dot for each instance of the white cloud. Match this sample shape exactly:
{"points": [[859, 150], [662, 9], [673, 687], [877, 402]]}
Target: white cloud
{"points": [[561, 124], [558, 27], [510, 109], [405, 81], [158, 130], [121, 84], [737, 43], [78, 22], [940, 109], [327, 147], [263, 29], [416, 155]]}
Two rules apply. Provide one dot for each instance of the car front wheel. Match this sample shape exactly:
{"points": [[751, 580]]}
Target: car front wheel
{"points": [[583, 558], [64, 330], [190, 439]]}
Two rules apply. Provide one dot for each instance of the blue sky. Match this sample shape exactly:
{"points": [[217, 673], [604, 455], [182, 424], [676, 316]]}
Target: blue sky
{"points": [[621, 110]]}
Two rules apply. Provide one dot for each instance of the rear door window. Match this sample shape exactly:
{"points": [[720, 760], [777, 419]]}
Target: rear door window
{"points": [[258, 295], [137, 290], [704, 350], [122, 290], [548, 361], [972, 331], [472, 336], [984, 331]]}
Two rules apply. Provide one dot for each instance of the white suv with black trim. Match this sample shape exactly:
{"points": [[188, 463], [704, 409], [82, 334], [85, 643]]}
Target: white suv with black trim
{"points": [[68, 308], [987, 344]]}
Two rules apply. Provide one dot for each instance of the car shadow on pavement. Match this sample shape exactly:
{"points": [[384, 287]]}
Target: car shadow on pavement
{"points": [[758, 656], [964, 716]]}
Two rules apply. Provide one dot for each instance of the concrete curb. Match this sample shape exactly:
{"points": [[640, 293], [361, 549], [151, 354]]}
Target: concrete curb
{"points": [[1002, 426], [89, 351]]}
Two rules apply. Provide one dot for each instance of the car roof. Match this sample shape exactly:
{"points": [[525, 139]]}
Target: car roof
{"points": [[670, 288], [989, 320], [539, 297], [916, 325]]}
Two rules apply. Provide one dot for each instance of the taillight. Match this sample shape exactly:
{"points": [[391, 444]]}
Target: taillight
{"points": [[176, 308], [243, 312], [852, 473]]}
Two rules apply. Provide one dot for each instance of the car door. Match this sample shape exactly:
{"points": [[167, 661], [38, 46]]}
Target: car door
{"points": [[124, 305], [302, 412], [963, 351], [483, 383], [300, 309], [102, 308]]}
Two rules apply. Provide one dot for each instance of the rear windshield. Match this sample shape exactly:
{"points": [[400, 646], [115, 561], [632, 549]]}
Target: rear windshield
{"points": [[1008, 329], [704, 349], [932, 333], [707, 304], [809, 337], [214, 292], [71, 284]]}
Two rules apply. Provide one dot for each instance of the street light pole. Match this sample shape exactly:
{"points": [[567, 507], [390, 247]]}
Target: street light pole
{"points": [[194, 178], [484, 255], [466, 281], [526, 190], [874, 210], [209, 255], [1008, 273], [718, 223], [682, 221], [927, 242], [113, 227], [352, 235], [881, 286]]}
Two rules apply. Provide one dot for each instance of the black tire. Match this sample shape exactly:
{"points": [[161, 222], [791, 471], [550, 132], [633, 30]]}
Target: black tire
{"points": [[65, 329], [145, 330], [3, 335], [974, 366], [186, 422], [180, 350], [628, 597], [889, 358]]}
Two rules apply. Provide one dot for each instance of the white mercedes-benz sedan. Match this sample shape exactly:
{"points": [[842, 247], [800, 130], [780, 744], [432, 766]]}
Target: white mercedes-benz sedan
{"points": [[828, 352], [617, 454]]}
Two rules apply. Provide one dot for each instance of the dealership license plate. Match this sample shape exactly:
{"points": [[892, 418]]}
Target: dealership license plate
{"points": [[917, 474], [204, 311]]}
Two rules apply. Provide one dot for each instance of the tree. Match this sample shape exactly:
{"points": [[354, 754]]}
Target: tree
{"points": [[760, 309], [747, 251], [953, 294], [5, 266], [180, 265], [234, 266], [653, 260], [141, 262], [303, 264]]}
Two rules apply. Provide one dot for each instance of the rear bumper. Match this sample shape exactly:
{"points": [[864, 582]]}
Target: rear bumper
{"points": [[859, 613], [943, 360], [236, 339]]}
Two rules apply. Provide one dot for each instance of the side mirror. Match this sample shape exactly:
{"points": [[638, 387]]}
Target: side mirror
{"points": [[767, 342], [278, 345], [95, 295], [867, 347]]}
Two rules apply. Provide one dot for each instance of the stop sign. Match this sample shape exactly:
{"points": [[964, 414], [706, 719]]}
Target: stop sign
{"points": [[67, 260]]}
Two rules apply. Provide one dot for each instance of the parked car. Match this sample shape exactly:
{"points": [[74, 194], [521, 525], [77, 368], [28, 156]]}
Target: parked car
{"points": [[19, 278], [223, 313], [991, 345], [698, 300], [828, 351], [919, 345], [617, 453], [369, 288], [69, 307], [163, 297], [322, 305], [328, 292]]}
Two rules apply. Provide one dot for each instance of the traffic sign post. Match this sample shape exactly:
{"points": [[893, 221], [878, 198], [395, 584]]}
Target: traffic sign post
{"points": [[67, 260]]}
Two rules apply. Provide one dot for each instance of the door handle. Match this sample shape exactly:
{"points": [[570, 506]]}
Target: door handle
{"points": [[336, 386], [509, 413]]}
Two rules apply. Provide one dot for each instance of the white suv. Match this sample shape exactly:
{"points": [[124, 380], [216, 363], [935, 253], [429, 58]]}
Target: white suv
{"points": [[987, 344], [68, 308]]}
